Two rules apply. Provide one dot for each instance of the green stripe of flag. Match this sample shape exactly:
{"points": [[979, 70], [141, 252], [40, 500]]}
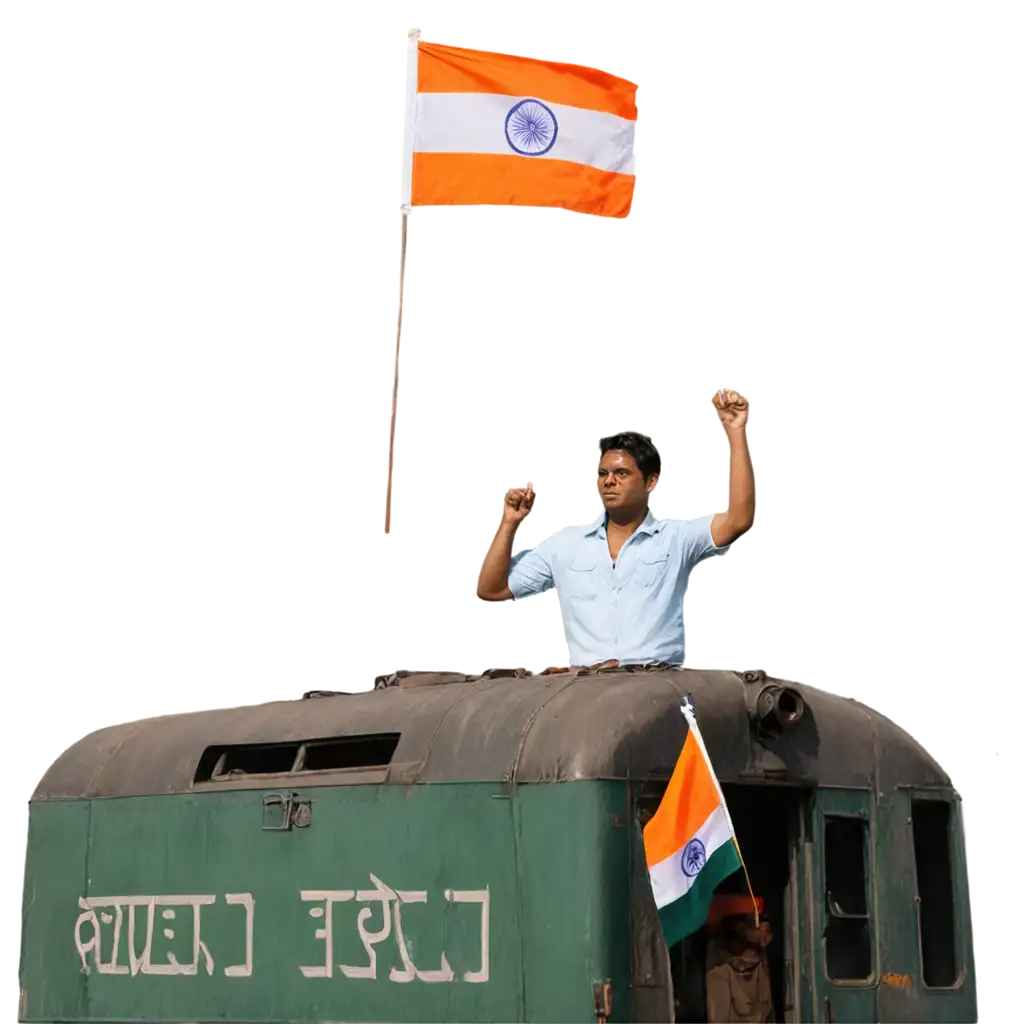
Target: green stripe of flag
{"points": [[685, 915]]}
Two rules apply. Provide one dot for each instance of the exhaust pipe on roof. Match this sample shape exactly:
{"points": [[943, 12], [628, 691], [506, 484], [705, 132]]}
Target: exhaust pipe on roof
{"points": [[777, 708]]}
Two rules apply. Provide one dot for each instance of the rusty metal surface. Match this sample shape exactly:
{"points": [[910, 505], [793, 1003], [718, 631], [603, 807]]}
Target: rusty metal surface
{"points": [[511, 725]]}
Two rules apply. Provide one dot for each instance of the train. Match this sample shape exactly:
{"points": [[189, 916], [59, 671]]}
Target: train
{"points": [[458, 847]]}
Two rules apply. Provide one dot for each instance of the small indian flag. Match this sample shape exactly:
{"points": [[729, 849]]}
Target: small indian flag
{"points": [[492, 129], [690, 842]]}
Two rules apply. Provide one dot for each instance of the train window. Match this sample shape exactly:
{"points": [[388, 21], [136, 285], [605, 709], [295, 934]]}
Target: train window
{"points": [[848, 930], [350, 752], [265, 759], [347, 752], [933, 857]]}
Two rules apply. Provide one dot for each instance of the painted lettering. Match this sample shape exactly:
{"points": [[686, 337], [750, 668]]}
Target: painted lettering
{"points": [[409, 971], [89, 918], [327, 897], [107, 924], [172, 966], [243, 899], [112, 911], [483, 897], [384, 895]]}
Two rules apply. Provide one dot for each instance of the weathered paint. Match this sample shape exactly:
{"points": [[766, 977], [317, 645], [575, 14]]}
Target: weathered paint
{"points": [[896, 891], [900, 934], [469, 902], [897, 980], [56, 876]]}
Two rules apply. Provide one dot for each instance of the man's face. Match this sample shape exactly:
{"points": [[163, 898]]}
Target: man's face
{"points": [[620, 482]]}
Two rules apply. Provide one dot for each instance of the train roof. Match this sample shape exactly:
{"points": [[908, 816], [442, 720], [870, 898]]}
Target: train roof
{"points": [[502, 726]]}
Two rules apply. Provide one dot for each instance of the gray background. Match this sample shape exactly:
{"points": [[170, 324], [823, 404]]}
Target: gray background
{"points": [[195, 251]]}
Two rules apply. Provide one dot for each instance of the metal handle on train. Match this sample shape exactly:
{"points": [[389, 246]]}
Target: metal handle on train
{"points": [[295, 811]]}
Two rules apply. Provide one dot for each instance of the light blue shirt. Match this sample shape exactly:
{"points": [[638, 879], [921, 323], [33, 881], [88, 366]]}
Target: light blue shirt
{"points": [[631, 611]]}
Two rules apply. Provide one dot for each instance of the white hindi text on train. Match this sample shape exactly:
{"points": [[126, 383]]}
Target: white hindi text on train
{"points": [[115, 934]]}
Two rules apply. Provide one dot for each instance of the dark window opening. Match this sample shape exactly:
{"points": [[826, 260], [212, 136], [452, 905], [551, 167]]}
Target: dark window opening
{"points": [[848, 930], [269, 759], [219, 763], [933, 857], [352, 752]]}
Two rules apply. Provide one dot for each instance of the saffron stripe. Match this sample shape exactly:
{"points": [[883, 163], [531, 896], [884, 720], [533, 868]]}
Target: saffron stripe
{"points": [[451, 69], [471, 179], [690, 797]]}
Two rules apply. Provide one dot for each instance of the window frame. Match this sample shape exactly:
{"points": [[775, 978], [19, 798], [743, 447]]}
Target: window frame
{"points": [[867, 848], [954, 840]]}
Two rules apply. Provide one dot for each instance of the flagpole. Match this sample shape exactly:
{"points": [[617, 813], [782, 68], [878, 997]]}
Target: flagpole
{"points": [[750, 888], [409, 85], [397, 340], [691, 721]]}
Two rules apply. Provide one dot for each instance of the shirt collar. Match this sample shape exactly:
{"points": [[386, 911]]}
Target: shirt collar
{"points": [[650, 526]]}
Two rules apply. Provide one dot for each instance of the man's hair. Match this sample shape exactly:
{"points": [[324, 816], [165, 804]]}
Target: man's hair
{"points": [[646, 456]]}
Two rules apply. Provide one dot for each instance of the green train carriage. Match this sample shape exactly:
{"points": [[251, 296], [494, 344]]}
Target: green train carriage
{"points": [[460, 848]]}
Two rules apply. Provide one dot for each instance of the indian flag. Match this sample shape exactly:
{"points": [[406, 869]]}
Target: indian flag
{"points": [[808, 125], [488, 128], [690, 842]]}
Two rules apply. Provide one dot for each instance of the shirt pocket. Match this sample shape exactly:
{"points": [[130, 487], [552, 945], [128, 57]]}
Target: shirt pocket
{"points": [[581, 579], [652, 568]]}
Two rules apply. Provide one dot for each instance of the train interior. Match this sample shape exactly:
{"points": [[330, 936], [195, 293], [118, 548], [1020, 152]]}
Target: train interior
{"points": [[767, 819]]}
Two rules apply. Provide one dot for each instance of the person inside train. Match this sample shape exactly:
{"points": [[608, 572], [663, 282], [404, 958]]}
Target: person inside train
{"points": [[621, 579], [738, 982]]}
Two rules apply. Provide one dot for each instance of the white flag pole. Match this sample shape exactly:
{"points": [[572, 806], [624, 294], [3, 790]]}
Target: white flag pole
{"points": [[410, 81]]}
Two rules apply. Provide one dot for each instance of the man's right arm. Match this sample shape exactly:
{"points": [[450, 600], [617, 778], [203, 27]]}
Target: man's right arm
{"points": [[493, 582]]}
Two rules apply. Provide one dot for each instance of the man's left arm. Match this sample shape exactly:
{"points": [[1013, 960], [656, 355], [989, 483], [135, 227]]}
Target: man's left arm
{"points": [[726, 526]]}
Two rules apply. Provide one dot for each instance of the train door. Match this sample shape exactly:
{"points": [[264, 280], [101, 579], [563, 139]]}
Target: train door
{"points": [[769, 823], [928, 970], [843, 904]]}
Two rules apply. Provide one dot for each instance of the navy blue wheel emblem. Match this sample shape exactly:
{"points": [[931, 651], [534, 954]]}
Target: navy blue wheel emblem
{"points": [[531, 128], [693, 858]]}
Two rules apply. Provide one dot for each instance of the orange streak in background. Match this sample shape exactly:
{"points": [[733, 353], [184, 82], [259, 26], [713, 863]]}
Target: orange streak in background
{"points": [[804, 80]]}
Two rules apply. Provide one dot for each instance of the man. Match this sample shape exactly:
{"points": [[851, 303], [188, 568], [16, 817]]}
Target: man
{"points": [[738, 983], [621, 580]]}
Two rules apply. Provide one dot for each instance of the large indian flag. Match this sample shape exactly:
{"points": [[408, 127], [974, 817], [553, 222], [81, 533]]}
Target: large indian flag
{"points": [[690, 842], [493, 129]]}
